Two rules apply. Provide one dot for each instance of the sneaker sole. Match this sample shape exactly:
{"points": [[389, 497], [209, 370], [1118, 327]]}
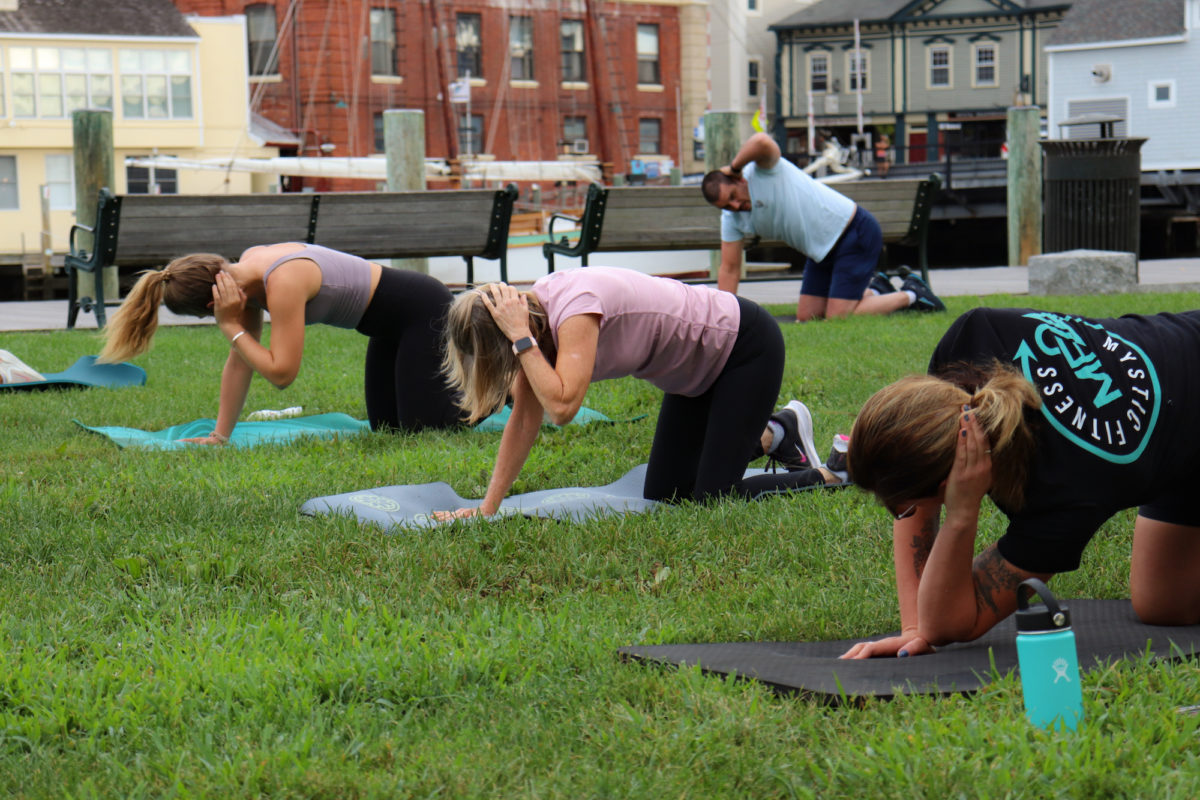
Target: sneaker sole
{"points": [[804, 425]]}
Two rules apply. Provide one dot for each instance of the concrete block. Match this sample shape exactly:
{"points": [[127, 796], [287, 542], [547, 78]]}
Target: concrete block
{"points": [[1083, 272]]}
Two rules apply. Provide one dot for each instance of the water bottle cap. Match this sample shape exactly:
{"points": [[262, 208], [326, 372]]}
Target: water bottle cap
{"points": [[1049, 615]]}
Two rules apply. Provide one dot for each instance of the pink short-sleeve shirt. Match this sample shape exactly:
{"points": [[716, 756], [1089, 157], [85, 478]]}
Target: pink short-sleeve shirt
{"points": [[677, 337]]}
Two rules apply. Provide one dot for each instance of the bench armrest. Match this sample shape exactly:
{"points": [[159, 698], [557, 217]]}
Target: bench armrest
{"points": [[71, 237], [559, 215]]}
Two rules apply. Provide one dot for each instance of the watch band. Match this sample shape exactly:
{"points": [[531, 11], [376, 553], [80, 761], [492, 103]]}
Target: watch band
{"points": [[523, 344]]}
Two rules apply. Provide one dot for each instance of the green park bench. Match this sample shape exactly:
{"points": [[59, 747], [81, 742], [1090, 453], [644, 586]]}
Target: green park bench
{"points": [[627, 219], [136, 232]]}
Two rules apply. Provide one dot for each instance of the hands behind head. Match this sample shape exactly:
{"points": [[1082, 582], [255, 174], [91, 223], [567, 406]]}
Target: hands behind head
{"points": [[971, 475], [509, 308], [229, 301]]}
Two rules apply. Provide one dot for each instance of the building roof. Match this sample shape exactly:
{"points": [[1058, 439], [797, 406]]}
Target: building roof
{"points": [[844, 12], [1117, 20], [96, 18]]}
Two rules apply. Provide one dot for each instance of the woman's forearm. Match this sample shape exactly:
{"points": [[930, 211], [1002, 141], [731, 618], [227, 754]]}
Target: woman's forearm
{"points": [[235, 385], [946, 607], [912, 539], [515, 443]]}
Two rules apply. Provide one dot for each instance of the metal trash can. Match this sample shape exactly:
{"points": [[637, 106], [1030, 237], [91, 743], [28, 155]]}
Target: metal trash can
{"points": [[1091, 194]]}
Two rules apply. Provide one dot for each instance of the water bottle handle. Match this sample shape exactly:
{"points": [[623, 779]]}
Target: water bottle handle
{"points": [[1041, 590]]}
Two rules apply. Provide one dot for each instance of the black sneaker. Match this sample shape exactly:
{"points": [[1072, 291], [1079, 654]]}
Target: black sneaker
{"points": [[881, 283], [926, 299], [797, 451]]}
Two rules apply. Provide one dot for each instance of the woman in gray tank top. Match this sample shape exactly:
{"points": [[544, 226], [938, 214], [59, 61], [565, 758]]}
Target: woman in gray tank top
{"points": [[300, 284]]}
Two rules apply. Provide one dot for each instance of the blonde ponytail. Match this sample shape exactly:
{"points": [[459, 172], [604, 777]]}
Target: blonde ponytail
{"points": [[185, 286], [1002, 403], [129, 331]]}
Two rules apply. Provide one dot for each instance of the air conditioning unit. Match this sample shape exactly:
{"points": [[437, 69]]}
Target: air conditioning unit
{"points": [[579, 146]]}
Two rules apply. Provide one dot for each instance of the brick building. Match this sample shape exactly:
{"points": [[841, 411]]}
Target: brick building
{"points": [[546, 80]]}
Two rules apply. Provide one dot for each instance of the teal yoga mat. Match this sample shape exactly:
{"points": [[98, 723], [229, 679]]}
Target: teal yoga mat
{"points": [[278, 431], [85, 372], [246, 434]]}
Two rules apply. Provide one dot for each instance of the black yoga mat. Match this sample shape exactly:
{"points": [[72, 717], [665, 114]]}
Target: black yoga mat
{"points": [[1105, 631]]}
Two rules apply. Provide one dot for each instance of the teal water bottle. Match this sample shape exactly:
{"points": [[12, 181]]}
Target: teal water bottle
{"points": [[1047, 658]]}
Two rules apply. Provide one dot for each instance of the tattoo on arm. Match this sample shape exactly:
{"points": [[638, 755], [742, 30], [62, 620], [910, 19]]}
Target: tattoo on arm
{"points": [[922, 543], [996, 583]]}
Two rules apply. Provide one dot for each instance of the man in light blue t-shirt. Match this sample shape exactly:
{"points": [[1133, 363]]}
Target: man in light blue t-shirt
{"points": [[762, 194]]}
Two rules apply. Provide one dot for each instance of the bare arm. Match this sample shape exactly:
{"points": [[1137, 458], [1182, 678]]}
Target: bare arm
{"points": [[730, 274], [759, 149], [559, 388], [287, 294], [515, 443], [946, 595]]}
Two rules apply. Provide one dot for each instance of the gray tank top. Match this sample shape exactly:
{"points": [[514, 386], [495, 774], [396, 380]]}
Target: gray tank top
{"points": [[345, 286]]}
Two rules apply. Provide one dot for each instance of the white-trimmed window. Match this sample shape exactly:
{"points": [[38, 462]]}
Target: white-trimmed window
{"points": [[468, 44], [520, 47], [51, 82], [9, 200], [1161, 94], [156, 84], [3, 107], [752, 6], [574, 133], [470, 133], [754, 79], [60, 179], [383, 41], [260, 39], [818, 72], [649, 135], [151, 180], [940, 64], [571, 34], [985, 55], [648, 70], [858, 69]]}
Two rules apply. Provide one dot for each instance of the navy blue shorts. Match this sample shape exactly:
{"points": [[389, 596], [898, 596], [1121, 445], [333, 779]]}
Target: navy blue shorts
{"points": [[845, 272]]}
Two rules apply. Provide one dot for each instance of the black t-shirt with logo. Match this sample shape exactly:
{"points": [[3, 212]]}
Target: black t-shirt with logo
{"points": [[1119, 425]]}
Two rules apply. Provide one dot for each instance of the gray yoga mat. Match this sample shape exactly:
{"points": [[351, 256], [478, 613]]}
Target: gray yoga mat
{"points": [[1105, 631], [407, 507], [410, 506]]}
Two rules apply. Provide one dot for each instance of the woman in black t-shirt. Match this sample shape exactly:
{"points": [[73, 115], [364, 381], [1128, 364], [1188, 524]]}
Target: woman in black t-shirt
{"points": [[1063, 421]]}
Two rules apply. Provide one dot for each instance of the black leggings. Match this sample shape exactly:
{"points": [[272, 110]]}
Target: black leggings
{"points": [[702, 444], [404, 384]]}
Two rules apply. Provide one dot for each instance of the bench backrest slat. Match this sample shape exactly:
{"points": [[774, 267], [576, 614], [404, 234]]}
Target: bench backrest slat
{"points": [[411, 224], [678, 217], [153, 229]]}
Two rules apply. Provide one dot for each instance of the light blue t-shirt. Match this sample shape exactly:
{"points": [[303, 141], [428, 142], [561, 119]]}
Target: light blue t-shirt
{"points": [[791, 207]]}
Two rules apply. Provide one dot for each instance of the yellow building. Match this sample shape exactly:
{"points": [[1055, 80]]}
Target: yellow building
{"points": [[175, 85]]}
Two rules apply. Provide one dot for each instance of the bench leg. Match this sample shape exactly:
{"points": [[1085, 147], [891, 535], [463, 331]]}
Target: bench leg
{"points": [[99, 307], [72, 299]]}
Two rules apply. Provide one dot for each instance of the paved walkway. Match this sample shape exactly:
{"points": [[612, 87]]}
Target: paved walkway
{"points": [[1166, 275]]}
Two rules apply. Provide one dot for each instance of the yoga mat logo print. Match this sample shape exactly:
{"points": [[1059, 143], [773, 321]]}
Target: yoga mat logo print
{"points": [[375, 501], [1098, 389]]}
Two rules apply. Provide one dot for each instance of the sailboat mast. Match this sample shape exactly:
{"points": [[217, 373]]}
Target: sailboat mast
{"points": [[594, 42], [443, 85]]}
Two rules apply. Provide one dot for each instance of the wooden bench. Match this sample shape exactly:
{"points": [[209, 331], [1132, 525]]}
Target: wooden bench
{"points": [[624, 219], [147, 231]]}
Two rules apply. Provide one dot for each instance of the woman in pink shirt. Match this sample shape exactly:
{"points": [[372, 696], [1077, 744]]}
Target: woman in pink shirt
{"points": [[717, 357]]}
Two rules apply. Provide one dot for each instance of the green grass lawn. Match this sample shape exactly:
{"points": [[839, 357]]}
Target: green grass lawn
{"points": [[171, 626]]}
